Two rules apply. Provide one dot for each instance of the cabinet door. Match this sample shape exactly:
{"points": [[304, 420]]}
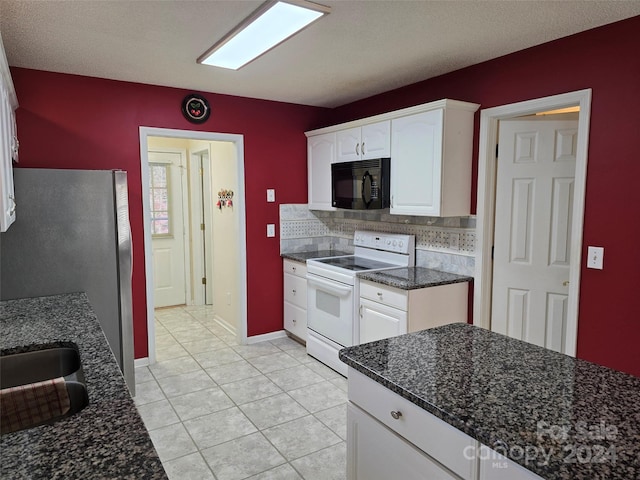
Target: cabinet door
{"points": [[376, 453], [378, 321], [321, 152], [7, 197], [348, 145], [376, 140], [416, 167]]}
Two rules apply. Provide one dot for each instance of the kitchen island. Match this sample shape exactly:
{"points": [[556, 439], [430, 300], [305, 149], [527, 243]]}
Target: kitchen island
{"points": [[107, 439], [487, 405]]}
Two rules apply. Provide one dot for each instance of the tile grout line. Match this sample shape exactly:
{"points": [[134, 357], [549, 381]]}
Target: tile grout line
{"points": [[261, 374]]}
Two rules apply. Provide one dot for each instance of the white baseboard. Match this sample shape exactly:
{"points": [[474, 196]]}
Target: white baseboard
{"points": [[141, 362], [224, 324], [266, 336]]}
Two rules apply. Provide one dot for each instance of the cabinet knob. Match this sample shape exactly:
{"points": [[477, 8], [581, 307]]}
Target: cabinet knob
{"points": [[294, 291], [396, 414], [379, 294], [293, 268], [565, 283], [294, 320]]}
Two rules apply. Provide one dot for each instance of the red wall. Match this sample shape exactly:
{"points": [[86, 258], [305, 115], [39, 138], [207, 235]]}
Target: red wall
{"points": [[606, 60], [69, 121]]}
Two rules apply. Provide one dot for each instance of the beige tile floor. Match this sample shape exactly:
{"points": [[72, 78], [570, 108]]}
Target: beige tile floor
{"points": [[219, 410]]}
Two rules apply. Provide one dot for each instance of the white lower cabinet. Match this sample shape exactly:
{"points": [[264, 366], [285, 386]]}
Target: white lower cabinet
{"points": [[387, 311], [379, 321], [446, 450], [389, 437], [295, 298], [376, 453]]}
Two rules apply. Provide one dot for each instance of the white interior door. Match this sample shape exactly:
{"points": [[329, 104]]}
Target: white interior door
{"points": [[167, 228], [534, 204]]}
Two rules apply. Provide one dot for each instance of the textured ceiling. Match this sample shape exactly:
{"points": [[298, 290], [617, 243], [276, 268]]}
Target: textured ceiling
{"points": [[362, 48]]}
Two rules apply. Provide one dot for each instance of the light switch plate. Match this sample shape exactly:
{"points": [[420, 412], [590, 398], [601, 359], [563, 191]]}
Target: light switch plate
{"points": [[271, 195], [271, 230], [595, 257]]}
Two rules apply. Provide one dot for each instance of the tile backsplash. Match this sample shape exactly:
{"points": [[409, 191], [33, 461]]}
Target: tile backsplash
{"points": [[446, 244]]}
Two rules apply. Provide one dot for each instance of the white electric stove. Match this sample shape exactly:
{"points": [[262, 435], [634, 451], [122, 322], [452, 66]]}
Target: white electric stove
{"points": [[333, 291]]}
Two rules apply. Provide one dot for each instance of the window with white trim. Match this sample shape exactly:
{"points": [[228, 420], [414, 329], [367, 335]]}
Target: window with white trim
{"points": [[159, 191]]}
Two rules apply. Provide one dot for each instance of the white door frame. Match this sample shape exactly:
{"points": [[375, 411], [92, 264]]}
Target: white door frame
{"points": [[240, 203], [485, 210], [184, 192]]}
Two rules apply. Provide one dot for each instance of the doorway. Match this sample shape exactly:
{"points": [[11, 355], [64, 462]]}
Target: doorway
{"points": [[168, 215], [199, 252], [565, 301]]}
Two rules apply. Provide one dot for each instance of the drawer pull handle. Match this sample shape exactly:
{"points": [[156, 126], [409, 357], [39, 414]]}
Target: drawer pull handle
{"points": [[396, 414]]}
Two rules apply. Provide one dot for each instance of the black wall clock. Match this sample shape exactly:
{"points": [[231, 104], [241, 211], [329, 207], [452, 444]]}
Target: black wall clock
{"points": [[195, 108]]}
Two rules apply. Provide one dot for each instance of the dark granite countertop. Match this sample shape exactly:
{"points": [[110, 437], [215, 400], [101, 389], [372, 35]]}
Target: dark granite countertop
{"points": [[304, 256], [105, 440], [411, 278], [512, 395]]}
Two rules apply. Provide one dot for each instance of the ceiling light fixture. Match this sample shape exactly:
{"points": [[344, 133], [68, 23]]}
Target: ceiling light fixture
{"points": [[267, 27]]}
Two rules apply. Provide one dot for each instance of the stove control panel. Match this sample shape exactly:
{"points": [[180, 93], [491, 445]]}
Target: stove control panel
{"points": [[391, 242]]}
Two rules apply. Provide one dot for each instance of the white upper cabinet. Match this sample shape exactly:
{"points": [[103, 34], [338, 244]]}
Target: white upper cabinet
{"points": [[321, 153], [8, 143], [431, 162], [430, 147], [362, 143], [416, 165]]}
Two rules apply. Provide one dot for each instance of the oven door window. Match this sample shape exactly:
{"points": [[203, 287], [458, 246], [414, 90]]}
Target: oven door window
{"points": [[328, 303]]}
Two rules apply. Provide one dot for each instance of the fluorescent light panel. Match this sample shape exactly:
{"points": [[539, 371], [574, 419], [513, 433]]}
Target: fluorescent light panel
{"points": [[267, 27]]}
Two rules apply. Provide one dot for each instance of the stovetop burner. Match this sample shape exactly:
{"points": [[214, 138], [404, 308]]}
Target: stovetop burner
{"points": [[355, 263]]}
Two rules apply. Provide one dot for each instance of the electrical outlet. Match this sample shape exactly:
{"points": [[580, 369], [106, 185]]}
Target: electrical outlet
{"points": [[595, 257], [271, 230], [271, 195]]}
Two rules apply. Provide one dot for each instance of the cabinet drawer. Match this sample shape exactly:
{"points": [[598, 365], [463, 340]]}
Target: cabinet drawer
{"points": [[295, 290], [379, 293], [295, 320], [295, 268], [436, 438]]}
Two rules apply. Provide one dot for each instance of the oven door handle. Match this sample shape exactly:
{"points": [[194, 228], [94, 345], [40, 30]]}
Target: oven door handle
{"points": [[329, 287]]}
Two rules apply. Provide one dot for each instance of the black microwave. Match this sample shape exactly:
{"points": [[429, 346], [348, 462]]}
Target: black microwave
{"points": [[360, 185]]}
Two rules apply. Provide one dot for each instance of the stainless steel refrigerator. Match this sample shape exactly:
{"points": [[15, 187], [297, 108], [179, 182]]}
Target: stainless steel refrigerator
{"points": [[72, 234]]}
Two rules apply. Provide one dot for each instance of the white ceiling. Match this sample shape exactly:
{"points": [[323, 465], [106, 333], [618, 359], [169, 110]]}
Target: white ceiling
{"points": [[362, 48]]}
